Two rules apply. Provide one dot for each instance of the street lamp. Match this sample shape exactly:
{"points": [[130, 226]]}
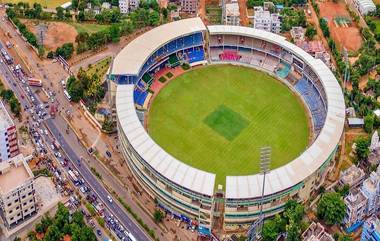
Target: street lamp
{"points": [[265, 160]]}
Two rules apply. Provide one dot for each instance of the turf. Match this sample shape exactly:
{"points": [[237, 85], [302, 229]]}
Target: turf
{"points": [[216, 118], [51, 4], [226, 122], [89, 27]]}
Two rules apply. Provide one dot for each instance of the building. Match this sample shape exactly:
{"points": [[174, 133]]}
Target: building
{"points": [[355, 122], [371, 230], [356, 205], [106, 5], [17, 194], [232, 14], [365, 6], [374, 155], [352, 176], [316, 232], [264, 20], [133, 4], [316, 49], [187, 192], [8, 135], [371, 189], [189, 6], [124, 6], [297, 33]]}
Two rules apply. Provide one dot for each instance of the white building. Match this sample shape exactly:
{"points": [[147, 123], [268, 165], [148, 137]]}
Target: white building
{"points": [[264, 20], [352, 176], [8, 135], [189, 6], [133, 4], [356, 204], [124, 6], [371, 189], [232, 16], [365, 6], [17, 194], [316, 232]]}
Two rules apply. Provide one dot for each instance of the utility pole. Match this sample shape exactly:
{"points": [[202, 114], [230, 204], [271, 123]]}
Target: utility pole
{"points": [[256, 228]]}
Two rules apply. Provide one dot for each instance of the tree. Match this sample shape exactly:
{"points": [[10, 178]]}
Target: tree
{"points": [[66, 50], [344, 238], [368, 123], [331, 208], [75, 89], [154, 18], [115, 33], [158, 216], [270, 231], [324, 26], [81, 16], [362, 150], [310, 32], [60, 13], [293, 231], [53, 234]]}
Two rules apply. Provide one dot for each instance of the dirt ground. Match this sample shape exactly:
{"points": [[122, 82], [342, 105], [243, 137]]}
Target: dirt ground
{"points": [[349, 36], [244, 21], [55, 34]]}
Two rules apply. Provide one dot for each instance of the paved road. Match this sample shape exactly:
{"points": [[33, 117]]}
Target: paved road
{"points": [[55, 126]]}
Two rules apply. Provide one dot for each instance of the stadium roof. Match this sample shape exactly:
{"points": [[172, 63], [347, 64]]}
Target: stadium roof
{"points": [[130, 60], [133, 57], [176, 171], [282, 178]]}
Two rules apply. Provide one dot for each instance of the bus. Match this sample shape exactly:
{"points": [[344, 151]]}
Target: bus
{"points": [[68, 97], [34, 82], [73, 177], [131, 237]]}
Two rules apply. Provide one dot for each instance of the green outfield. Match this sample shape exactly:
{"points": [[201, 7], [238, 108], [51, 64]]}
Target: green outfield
{"points": [[217, 118]]}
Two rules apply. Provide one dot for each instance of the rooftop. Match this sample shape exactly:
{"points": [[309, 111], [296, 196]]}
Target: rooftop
{"points": [[311, 46], [13, 173], [316, 232], [232, 9], [133, 56], [5, 119], [355, 198], [351, 175]]}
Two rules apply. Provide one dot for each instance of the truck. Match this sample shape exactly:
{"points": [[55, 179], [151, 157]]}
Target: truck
{"points": [[34, 82]]}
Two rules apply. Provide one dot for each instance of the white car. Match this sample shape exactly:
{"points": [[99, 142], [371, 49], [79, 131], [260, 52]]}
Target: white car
{"points": [[46, 132], [109, 199]]}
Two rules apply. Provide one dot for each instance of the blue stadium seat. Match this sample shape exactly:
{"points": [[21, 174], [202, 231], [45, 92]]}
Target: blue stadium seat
{"points": [[313, 100]]}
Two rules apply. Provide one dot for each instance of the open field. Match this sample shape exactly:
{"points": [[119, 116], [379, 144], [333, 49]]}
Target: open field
{"points": [[88, 27], [348, 36], [54, 34], [52, 4], [217, 118]]}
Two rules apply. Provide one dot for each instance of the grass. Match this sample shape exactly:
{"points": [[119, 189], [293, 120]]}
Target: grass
{"points": [[226, 122], [377, 22], [100, 68], [88, 27], [51, 4], [217, 118]]}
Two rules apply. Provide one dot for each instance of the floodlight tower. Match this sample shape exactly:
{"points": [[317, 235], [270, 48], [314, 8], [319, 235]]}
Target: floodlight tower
{"points": [[254, 231]]}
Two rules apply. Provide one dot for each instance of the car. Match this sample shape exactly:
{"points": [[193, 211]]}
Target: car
{"points": [[98, 232], [46, 132], [109, 199], [108, 154], [52, 147]]}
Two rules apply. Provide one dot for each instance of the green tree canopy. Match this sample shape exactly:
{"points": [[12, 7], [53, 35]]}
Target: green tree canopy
{"points": [[331, 208]]}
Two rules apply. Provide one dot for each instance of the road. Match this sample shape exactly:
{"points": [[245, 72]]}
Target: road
{"points": [[66, 140]]}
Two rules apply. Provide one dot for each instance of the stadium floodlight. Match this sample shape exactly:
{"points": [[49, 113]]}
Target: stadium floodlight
{"points": [[265, 159]]}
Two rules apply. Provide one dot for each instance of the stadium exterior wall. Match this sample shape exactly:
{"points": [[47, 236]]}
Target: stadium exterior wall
{"points": [[197, 202]]}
